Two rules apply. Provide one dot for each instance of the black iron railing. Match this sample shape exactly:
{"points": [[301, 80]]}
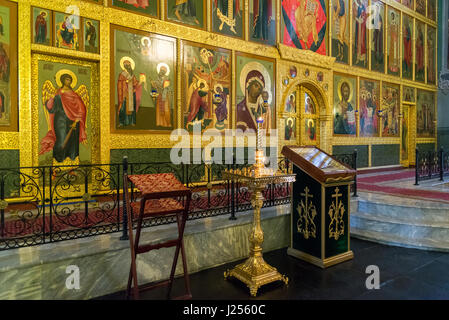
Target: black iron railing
{"points": [[431, 165], [55, 203], [349, 159]]}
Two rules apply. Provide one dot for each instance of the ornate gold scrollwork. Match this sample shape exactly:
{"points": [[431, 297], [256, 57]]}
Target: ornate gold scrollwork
{"points": [[3, 204], [87, 197], [307, 213], [339, 179], [336, 212]]}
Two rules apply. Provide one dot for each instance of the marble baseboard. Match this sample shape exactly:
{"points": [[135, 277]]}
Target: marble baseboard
{"points": [[406, 214], [393, 240], [404, 230], [40, 272]]}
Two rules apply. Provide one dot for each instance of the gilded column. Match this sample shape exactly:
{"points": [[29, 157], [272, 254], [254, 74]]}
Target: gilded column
{"points": [[26, 118], [105, 92]]}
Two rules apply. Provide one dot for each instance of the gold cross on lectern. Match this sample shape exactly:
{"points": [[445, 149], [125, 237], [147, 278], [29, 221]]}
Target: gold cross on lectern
{"points": [[307, 195], [336, 195]]}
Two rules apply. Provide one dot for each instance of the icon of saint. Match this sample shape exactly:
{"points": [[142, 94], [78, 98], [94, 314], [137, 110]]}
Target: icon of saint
{"points": [[129, 91], [40, 28], [66, 113]]}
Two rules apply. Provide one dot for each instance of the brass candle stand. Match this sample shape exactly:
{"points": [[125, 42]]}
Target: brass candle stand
{"points": [[255, 272]]}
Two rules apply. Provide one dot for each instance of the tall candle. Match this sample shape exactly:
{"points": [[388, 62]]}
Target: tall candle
{"points": [[259, 133]]}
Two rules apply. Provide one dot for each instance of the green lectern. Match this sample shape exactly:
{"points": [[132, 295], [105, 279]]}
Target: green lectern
{"points": [[320, 206]]}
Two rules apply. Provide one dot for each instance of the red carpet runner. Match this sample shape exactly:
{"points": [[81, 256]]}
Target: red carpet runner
{"points": [[372, 184]]}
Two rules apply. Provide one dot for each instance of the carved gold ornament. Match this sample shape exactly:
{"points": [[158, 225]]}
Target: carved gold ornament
{"points": [[336, 212], [307, 213], [87, 197], [3, 204]]}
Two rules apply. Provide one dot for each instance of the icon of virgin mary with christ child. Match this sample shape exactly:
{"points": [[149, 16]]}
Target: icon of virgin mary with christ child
{"points": [[255, 84]]}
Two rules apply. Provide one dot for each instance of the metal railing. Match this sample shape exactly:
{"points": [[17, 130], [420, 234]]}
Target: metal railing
{"points": [[431, 165], [54, 203]]}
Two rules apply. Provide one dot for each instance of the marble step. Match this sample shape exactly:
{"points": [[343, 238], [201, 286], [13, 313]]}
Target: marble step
{"points": [[405, 210], [432, 235]]}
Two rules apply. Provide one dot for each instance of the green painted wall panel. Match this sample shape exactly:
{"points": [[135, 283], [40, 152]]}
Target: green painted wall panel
{"points": [[362, 153], [425, 147], [9, 158], [140, 155], [385, 155], [443, 138]]}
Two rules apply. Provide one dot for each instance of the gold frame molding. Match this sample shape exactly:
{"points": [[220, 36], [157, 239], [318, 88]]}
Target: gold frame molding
{"points": [[14, 65], [113, 84]]}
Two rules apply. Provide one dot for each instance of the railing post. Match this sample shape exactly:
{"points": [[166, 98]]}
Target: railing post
{"points": [[228, 190], [440, 161], [431, 157], [187, 181], [43, 204], [118, 193], [86, 202], [2, 211], [233, 217], [444, 162], [354, 161], [50, 214], [125, 214], [209, 184], [416, 166], [183, 170], [289, 184]]}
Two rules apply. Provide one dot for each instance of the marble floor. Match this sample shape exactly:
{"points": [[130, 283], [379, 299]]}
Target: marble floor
{"points": [[404, 274], [433, 184]]}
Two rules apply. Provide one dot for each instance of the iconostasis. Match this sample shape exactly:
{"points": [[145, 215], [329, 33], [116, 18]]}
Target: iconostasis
{"points": [[95, 77]]}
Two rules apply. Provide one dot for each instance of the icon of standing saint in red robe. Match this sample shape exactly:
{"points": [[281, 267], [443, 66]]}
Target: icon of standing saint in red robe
{"points": [[40, 28], [360, 17], [407, 68], [66, 113], [419, 71]]}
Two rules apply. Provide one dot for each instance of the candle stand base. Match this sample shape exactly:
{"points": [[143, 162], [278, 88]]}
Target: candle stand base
{"points": [[255, 272]]}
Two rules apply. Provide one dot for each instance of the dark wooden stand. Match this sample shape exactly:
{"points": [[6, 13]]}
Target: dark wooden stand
{"points": [[162, 195], [320, 224]]}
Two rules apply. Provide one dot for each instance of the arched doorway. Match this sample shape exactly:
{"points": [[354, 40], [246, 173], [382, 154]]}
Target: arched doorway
{"points": [[304, 115], [308, 114]]}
